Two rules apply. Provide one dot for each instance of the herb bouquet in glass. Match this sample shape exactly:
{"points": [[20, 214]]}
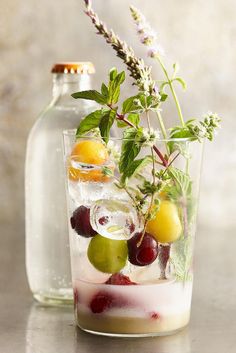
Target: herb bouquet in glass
{"points": [[132, 201]]}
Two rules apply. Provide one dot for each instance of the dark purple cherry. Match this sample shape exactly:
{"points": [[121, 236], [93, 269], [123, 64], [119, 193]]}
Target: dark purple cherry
{"points": [[80, 222], [145, 253]]}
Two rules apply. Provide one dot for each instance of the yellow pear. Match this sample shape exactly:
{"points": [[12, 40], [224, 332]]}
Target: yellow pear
{"points": [[166, 226]]}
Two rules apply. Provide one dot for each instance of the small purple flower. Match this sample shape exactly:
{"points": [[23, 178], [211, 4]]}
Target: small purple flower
{"points": [[147, 35], [156, 50]]}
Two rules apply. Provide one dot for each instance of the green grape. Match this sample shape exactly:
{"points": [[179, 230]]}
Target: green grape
{"points": [[107, 255]]}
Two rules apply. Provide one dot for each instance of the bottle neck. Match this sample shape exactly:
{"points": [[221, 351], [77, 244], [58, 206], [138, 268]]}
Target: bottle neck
{"points": [[66, 84]]}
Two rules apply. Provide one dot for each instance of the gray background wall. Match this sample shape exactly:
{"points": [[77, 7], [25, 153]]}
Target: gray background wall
{"points": [[199, 34]]}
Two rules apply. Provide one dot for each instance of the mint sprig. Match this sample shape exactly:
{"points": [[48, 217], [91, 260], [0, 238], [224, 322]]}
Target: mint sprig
{"points": [[153, 172]]}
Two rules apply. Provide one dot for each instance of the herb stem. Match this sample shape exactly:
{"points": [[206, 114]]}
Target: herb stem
{"points": [[172, 90], [122, 118], [154, 182], [129, 194], [160, 155], [162, 126]]}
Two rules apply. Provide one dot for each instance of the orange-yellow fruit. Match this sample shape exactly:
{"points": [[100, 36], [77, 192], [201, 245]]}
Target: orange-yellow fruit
{"points": [[93, 175], [89, 152], [166, 226]]}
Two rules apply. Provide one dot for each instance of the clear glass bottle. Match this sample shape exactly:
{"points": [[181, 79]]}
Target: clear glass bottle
{"points": [[47, 240]]}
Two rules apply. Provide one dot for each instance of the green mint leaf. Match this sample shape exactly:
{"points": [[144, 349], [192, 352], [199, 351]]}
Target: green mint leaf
{"points": [[179, 132], [163, 85], [104, 90], [114, 87], [176, 69], [133, 118], [182, 181], [91, 95], [90, 122], [106, 122], [148, 188], [131, 147], [181, 258], [164, 97], [135, 167], [130, 105], [182, 82], [113, 73]]}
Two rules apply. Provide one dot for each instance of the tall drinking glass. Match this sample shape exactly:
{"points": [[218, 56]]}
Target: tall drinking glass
{"points": [[131, 278]]}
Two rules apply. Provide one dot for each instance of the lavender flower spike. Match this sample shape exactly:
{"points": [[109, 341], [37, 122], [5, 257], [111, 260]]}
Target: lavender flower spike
{"points": [[138, 70], [147, 36], [88, 4]]}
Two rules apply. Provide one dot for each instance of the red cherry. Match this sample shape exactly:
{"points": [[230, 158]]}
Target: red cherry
{"points": [[104, 300], [154, 315], [103, 220], [145, 253], [101, 301], [80, 222], [119, 279]]}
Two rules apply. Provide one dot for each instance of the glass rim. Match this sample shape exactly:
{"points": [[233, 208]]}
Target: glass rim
{"points": [[72, 133]]}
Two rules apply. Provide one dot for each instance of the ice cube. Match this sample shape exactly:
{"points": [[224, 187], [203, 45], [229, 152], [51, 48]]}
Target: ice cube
{"points": [[84, 193], [115, 219]]}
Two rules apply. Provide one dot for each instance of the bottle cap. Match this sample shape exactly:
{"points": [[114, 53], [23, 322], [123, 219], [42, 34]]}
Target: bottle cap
{"points": [[73, 68]]}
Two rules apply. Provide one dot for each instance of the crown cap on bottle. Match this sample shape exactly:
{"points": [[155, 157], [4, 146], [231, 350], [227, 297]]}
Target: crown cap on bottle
{"points": [[73, 68]]}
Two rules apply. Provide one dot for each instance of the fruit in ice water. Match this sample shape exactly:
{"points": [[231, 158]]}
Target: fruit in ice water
{"points": [[94, 175], [166, 226], [91, 153], [118, 279], [142, 254], [107, 255], [104, 300], [80, 222], [114, 219], [101, 302]]}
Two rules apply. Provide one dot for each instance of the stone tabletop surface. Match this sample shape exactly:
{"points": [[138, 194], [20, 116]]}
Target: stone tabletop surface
{"points": [[26, 327]]}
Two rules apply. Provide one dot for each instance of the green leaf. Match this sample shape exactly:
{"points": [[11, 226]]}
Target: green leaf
{"points": [[176, 69], [164, 97], [148, 188], [182, 181], [106, 122], [179, 132], [113, 73], [181, 258], [91, 95], [129, 105], [163, 85], [114, 87], [182, 82], [131, 147], [191, 121], [133, 118], [104, 90], [135, 168], [90, 122]]}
